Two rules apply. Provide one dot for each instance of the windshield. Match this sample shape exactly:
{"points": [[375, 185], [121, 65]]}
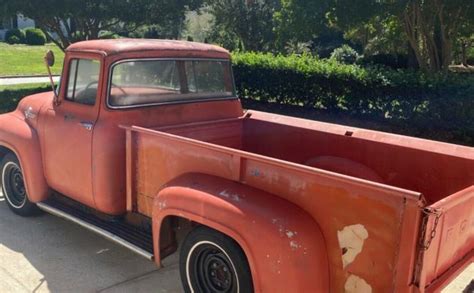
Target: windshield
{"points": [[142, 82]]}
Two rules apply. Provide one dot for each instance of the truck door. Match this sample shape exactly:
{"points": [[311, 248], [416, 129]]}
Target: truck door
{"points": [[68, 130]]}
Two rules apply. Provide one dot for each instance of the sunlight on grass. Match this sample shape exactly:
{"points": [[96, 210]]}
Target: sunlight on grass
{"points": [[27, 60]]}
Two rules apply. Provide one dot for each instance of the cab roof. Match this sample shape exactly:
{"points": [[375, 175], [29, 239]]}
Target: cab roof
{"points": [[123, 46]]}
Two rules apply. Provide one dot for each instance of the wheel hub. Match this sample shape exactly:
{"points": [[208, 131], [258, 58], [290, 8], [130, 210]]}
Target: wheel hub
{"points": [[14, 185], [213, 270]]}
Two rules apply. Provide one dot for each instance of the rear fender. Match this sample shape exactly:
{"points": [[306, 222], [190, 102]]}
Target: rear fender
{"points": [[283, 244], [17, 136]]}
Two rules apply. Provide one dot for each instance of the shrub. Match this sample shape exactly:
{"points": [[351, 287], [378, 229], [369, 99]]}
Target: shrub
{"points": [[35, 36], [389, 60], [15, 36], [11, 97], [108, 35], [12, 40], [345, 55], [440, 101]]}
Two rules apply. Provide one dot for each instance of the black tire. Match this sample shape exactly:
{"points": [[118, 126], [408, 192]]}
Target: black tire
{"points": [[13, 187], [211, 262]]}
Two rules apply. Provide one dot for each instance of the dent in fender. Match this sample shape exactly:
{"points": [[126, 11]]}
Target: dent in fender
{"points": [[20, 138], [283, 244]]}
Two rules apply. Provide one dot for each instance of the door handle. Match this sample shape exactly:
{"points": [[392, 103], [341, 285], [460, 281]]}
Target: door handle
{"points": [[86, 125]]}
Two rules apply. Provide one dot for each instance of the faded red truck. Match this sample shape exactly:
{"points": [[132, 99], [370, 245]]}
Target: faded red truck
{"points": [[146, 143]]}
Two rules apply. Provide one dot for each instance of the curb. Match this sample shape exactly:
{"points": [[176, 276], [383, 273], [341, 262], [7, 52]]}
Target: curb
{"points": [[26, 76]]}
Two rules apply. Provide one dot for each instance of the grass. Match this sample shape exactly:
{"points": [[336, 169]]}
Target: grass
{"points": [[27, 60]]}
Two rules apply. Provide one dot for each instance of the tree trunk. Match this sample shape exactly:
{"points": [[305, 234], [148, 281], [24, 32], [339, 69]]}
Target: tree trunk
{"points": [[464, 54]]}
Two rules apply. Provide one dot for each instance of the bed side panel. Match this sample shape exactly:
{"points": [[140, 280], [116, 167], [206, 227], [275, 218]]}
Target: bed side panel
{"points": [[362, 223]]}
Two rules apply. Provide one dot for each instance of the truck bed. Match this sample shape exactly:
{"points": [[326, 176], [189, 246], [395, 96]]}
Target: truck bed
{"points": [[398, 189]]}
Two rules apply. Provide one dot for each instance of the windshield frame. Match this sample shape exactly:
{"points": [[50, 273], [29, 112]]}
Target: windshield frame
{"points": [[183, 101]]}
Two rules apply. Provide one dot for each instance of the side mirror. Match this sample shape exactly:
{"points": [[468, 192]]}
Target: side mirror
{"points": [[49, 58], [49, 61]]}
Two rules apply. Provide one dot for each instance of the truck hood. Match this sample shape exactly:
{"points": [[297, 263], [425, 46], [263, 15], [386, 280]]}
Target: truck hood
{"points": [[29, 107]]}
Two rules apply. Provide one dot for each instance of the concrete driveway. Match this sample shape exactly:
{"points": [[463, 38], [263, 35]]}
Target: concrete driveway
{"points": [[49, 254]]}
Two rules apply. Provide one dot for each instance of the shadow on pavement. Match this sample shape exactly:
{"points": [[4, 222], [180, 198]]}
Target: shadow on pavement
{"points": [[46, 253]]}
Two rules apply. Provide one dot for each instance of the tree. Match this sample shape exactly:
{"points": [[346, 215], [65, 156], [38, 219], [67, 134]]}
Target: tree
{"points": [[430, 26], [67, 21], [299, 21], [243, 23]]}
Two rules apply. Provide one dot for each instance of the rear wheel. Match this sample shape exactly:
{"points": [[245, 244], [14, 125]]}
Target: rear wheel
{"points": [[13, 187], [211, 262]]}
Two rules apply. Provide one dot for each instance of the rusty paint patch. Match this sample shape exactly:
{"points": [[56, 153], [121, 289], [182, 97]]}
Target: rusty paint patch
{"points": [[351, 241]]}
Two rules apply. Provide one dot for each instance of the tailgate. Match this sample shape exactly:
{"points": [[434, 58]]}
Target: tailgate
{"points": [[447, 239]]}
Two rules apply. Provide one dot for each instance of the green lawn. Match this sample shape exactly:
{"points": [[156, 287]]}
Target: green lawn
{"points": [[27, 60]]}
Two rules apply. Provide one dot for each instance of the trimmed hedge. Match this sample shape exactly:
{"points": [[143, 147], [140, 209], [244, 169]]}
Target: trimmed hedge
{"points": [[9, 98], [35, 37], [443, 101], [15, 36], [437, 107]]}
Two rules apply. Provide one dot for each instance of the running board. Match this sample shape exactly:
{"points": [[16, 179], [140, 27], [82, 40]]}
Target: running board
{"points": [[82, 221]]}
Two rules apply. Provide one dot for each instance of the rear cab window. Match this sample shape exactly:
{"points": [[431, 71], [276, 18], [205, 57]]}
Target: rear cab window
{"points": [[136, 83]]}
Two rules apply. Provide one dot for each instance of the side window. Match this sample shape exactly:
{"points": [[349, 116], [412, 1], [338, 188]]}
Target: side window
{"points": [[83, 81]]}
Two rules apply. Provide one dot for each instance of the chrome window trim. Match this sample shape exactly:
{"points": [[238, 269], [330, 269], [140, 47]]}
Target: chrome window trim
{"points": [[109, 83]]}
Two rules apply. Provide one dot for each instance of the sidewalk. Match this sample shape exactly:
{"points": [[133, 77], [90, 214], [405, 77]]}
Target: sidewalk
{"points": [[26, 79]]}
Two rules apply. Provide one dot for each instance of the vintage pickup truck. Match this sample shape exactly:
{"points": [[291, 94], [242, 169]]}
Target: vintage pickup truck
{"points": [[146, 143]]}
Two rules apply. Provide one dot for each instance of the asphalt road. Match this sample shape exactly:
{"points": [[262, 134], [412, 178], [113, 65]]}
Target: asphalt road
{"points": [[49, 254]]}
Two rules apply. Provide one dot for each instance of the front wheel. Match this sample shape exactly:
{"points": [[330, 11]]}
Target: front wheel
{"points": [[211, 262], [13, 187]]}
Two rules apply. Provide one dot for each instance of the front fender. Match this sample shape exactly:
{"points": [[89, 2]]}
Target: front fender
{"points": [[19, 137], [283, 244]]}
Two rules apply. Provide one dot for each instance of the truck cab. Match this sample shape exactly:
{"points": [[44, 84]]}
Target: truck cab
{"points": [[146, 143], [106, 84]]}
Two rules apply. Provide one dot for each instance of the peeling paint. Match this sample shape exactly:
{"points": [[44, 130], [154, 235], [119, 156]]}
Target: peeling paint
{"points": [[162, 204], [294, 245], [290, 234], [355, 284], [351, 241], [232, 196]]}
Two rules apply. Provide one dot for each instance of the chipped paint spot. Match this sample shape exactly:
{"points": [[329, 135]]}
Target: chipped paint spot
{"points": [[351, 241], [290, 234], [255, 172], [355, 284], [161, 205], [224, 193], [294, 245], [232, 196]]}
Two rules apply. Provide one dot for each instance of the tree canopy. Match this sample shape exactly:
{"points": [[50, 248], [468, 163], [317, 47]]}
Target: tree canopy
{"points": [[430, 33], [67, 21]]}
